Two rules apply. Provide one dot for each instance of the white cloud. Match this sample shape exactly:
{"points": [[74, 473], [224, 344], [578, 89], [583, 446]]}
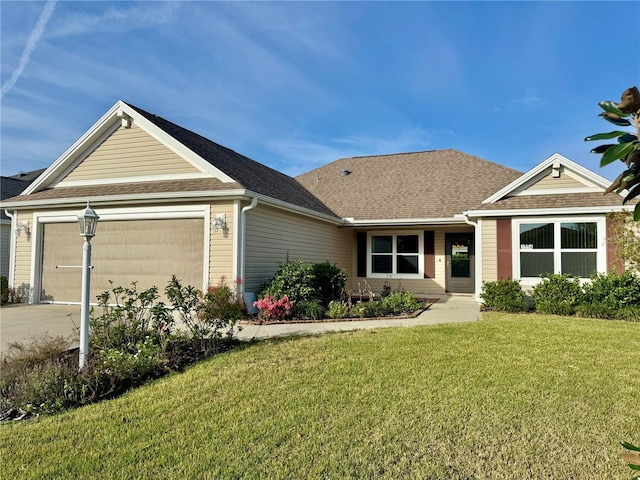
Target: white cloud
{"points": [[32, 42]]}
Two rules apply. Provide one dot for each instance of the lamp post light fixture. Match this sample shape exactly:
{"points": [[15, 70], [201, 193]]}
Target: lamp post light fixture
{"points": [[88, 221]]}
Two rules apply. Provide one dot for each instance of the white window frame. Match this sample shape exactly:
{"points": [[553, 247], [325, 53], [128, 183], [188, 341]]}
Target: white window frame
{"points": [[394, 254], [600, 250]]}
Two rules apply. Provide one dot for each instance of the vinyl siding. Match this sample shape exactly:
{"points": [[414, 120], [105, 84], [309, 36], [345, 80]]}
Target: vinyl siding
{"points": [[421, 287], [549, 182], [273, 235], [128, 152], [221, 245], [23, 254], [489, 251]]}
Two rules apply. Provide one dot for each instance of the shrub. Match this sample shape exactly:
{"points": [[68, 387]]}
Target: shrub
{"points": [[274, 309], [310, 310], [220, 309], [629, 313], [4, 290], [359, 310], [374, 309], [504, 295], [338, 309], [294, 280], [613, 290], [399, 302], [557, 294], [329, 282]]}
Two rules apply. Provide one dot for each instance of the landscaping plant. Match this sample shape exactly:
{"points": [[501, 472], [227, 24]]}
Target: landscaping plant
{"points": [[557, 294], [504, 295], [626, 113]]}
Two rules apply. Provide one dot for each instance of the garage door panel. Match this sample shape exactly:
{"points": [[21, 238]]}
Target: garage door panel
{"points": [[144, 251]]}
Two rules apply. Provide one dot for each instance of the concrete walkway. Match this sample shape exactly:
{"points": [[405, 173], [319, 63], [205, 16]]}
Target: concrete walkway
{"points": [[22, 323]]}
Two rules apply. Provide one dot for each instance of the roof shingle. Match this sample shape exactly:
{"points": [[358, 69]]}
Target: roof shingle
{"points": [[431, 184]]}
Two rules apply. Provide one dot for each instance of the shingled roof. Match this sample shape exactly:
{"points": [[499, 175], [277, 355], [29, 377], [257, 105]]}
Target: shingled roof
{"points": [[15, 185], [558, 200], [250, 174], [421, 185]]}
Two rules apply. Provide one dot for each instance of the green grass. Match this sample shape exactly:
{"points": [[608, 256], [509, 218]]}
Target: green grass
{"points": [[511, 396]]}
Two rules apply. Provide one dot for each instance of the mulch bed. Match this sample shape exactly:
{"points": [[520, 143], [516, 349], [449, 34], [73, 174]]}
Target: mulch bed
{"points": [[252, 321]]}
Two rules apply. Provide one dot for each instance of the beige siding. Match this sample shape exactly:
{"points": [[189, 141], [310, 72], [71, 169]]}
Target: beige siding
{"points": [[5, 248], [549, 182], [129, 152], [221, 245], [23, 257], [421, 287], [272, 235], [489, 251]]}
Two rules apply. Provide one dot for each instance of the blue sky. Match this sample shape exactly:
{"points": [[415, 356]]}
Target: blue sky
{"points": [[295, 85]]}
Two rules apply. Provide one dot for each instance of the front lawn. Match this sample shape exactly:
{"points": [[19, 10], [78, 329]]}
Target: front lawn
{"points": [[511, 396]]}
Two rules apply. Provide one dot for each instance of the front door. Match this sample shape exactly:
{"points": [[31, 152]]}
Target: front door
{"points": [[459, 253]]}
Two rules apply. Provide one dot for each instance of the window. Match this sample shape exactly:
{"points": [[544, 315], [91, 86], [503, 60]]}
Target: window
{"points": [[398, 255], [568, 246]]}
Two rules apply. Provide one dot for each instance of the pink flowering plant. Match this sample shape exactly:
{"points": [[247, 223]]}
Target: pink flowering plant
{"points": [[272, 308]]}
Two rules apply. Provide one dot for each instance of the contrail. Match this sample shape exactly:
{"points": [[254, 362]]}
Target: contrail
{"points": [[34, 36]]}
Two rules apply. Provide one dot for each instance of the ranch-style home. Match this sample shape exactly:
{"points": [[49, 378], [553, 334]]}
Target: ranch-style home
{"points": [[173, 202]]}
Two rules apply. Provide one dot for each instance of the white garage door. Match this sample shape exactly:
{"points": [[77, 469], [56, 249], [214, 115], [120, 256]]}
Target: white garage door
{"points": [[148, 252]]}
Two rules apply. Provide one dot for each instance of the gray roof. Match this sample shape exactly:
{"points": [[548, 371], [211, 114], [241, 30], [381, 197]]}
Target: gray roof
{"points": [[431, 184], [248, 173], [15, 185]]}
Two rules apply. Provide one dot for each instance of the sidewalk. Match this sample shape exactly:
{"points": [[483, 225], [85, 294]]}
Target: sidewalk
{"points": [[21, 322]]}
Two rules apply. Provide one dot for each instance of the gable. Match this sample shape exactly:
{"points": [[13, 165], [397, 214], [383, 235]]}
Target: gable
{"points": [[557, 175], [556, 180], [125, 154]]}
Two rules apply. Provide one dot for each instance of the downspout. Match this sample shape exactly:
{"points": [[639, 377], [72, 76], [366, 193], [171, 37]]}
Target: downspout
{"points": [[242, 237], [477, 229], [12, 248]]}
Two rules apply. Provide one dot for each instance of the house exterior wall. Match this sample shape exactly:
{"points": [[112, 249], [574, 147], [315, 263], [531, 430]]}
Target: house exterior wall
{"points": [[128, 152], [422, 287], [489, 250], [221, 252], [22, 272], [273, 235], [550, 182]]}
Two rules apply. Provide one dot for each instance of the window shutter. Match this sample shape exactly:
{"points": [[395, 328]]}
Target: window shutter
{"points": [[429, 254], [361, 254]]}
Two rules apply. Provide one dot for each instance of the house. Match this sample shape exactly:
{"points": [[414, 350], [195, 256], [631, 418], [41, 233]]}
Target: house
{"points": [[173, 202], [10, 187]]}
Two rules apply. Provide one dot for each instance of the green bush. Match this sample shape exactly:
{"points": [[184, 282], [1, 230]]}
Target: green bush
{"points": [[4, 290], [338, 309], [374, 309], [309, 310], [629, 313], [557, 294], [329, 282], [504, 295], [613, 290], [294, 280], [399, 302], [359, 310]]}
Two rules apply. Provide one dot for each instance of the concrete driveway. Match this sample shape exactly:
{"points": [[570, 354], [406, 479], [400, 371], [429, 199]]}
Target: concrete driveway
{"points": [[22, 322]]}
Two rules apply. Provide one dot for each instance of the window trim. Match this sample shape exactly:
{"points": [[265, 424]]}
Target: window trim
{"points": [[600, 250], [394, 254]]}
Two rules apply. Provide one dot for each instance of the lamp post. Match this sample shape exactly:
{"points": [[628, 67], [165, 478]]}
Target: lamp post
{"points": [[88, 221]]}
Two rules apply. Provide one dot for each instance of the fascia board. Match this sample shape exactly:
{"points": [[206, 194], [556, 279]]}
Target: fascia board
{"points": [[548, 211], [402, 221], [263, 199], [556, 157], [130, 199]]}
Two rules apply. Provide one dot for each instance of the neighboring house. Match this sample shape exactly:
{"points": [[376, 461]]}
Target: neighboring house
{"points": [[173, 202], [10, 187]]}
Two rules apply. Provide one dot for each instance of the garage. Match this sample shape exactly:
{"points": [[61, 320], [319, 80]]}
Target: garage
{"points": [[148, 252]]}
